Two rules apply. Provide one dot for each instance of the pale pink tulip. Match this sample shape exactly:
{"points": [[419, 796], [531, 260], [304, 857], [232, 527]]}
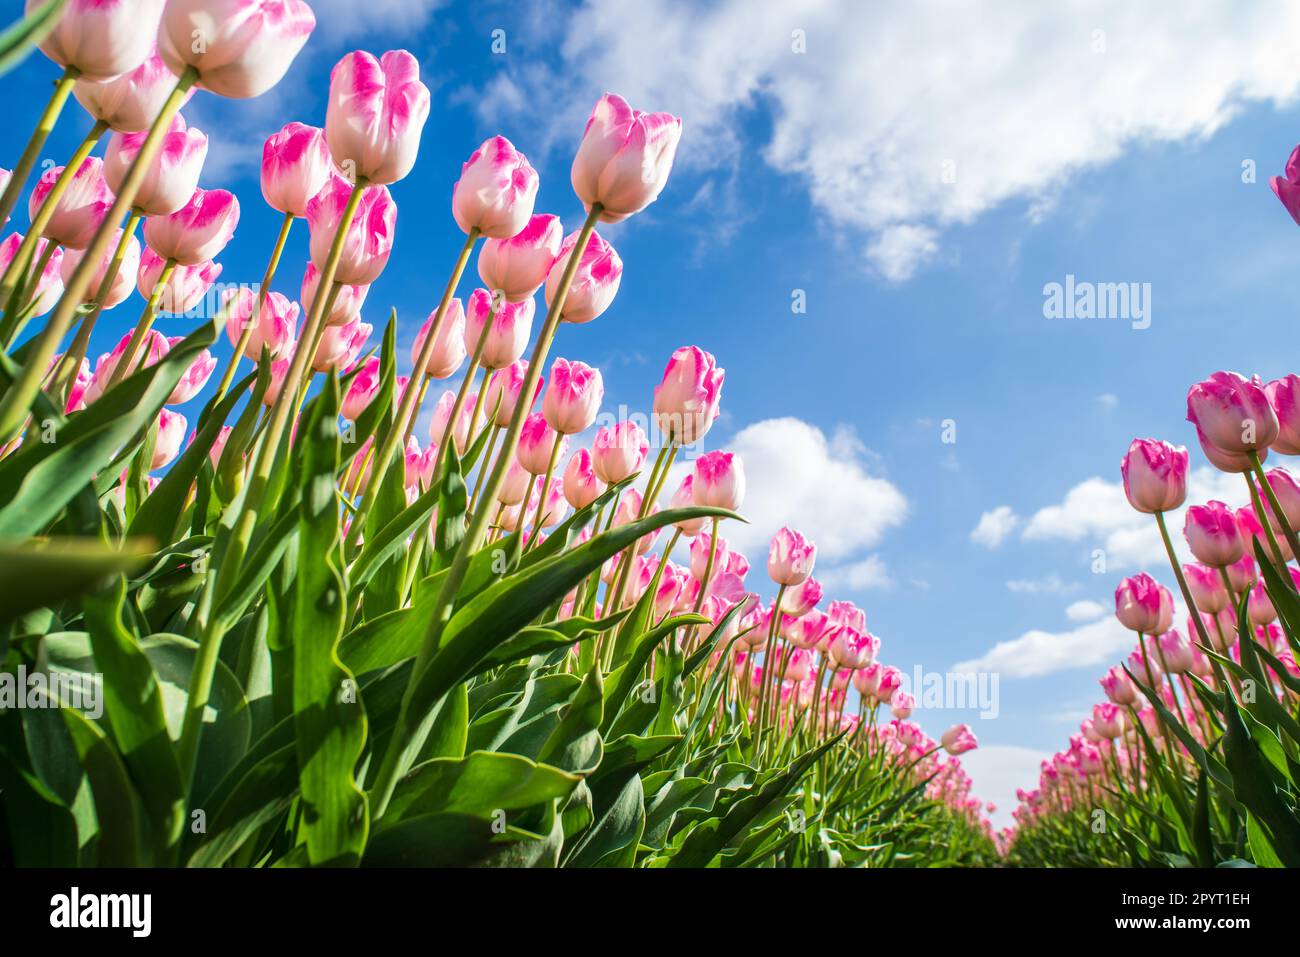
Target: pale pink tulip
{"points": [[686, 402], [376, 113], [171, 435], [536, 440], [1175, 653], [901, 705], [572, 400], [295, 167], [515, 485], [185, 288], [448, 348], [496, 190], [194, 378], [82, 208], [503, 390], [347, 301], [340, 346], [154, 347], [123, 282], [802, 598], [129, 103], [198, 231], [442, 415], [365, 386], [173, 173], [101, 38], [49, 285], [719, 480], [240, 48], [790, 558], [512, 324], [1119, 688], [1211, 533], [1259, 607], [624, 158], [517, 266], [1138, 601], [276, 325], [1207, 588], [619, 451], [581, 484], [684, 497], [369, 239], [595, 282]]}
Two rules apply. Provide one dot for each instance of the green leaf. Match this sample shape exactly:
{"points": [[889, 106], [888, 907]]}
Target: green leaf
{"points": [[47, 572]]}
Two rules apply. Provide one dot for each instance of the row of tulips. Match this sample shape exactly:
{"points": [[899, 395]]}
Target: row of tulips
{"points": [[1193, 759], [320, 636]]}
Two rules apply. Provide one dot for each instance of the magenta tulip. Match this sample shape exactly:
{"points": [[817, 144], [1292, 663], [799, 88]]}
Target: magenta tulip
{"points": [[1233, 412], [581, 484], [1211, 533], [170, 437], [619, 451], [503, 390], [275, 328], [1155, 475], [369, 240], [790, 557], [536, 440], [1138, 603], [1287, 188], [186, 287]]}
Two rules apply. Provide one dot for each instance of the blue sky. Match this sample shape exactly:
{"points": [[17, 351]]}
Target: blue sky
{"points": [[1103, 143]]}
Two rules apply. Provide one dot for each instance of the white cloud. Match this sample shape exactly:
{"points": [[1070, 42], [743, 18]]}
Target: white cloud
{"points": [[1047, 585], [820, 485], [1037, 653], [1096, 511], [906, 118], [997, 770], [1108, 400], [870, 572], [994, 527], [1085, 610], [344, 21]]}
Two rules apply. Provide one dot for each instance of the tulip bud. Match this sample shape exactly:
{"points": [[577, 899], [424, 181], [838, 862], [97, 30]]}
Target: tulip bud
{"points": [[595, 282], [194, 378], [185, 288], [170, 437], [1287, 490], [365, 386], [275, 328], [719, 480], [1108, 720], [173, 173], [684, 497], [503, 390], [496, 190], [154, 347], [790, 558], [1155, 475], [699, 551], [887, 682], [853, 649], [347, 301], [123, 281], [369, 239], [1118, 687], [198, 231], [49, 285], [572, 400], [376, 113], [1211, 533], [512, 323], [517, 266], [340, 346], [581, 485], [536, 440], [101, 40], [129, 103], [619, 451], [686, 402], [449, 346], [1145, 666], [902, 705], [295, 167], [80, 211], [1232, 412], [624, 158], [1138, 603], [239, 48], [629, 510]]}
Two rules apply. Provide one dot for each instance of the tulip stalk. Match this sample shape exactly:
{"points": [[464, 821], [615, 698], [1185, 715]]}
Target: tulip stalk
{"points": [[408, 409], [212, 630], [251, 323], [18, 398], [395, 757], [23, 169], [48, 208]]}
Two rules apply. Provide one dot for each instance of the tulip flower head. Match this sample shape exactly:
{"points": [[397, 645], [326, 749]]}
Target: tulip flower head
{"points": [[687, 401], [123, 281], [1139, 603], [198, 231], [82, 208], [376, 113], [572, 400], [536, 440], [101, 39], [185, 288], [504, 387], [1232, 412], [496, 190], [1155, 475], [581, 484], [129, 102], [275, 326], [511, 326], [624, 158], [348, 300], [790, 557], [448, 348], [595, 282], [959, 739], [169, 438], [295, 167], [719, 480], [619, 451], [517, 266], [1287, 189], [369, 238], [1211, 533], [172, 175]]}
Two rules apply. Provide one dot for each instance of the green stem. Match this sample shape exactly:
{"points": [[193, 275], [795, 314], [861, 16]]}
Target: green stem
{"points": [[229, 376], [23, 169], [18, 398]]}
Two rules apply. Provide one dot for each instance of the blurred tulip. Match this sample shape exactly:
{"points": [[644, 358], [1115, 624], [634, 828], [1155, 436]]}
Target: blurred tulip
{"points": [[902, 705], [1155, 475], [515, 486], [194, 378], [1118, 687], [101, 38], [1287, 189], [1108, 720], [517, 266], [377, 111], [154, 347], [365, 386], [624, 158], [572, 400], [1175, 653], [1259, 607], [340, 346], [1242, 573], [170, 437], [595, 282], [1207, 588], [239, 48], [802, 598]]}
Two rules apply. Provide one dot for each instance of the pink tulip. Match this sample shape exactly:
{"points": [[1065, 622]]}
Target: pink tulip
{"points": [[219, 445], [1139, 602], [496, 190], [1108, 720], [184, 290], [276, 325], [536, 440], [365, 386], [1242, 573], [173, 173], [629, 510], [154, 347], [1284, 396], [279, 369], [572, 400], [82, 208], [790, 558], [624, 158], [1287, 489], [684, 497], [1287, 189], [1175, 652], [1155, 475], [194, 378], [595, 282], [1259, 607], [376, 113], [1145, 667], [369, 240], [802, 598], [503, 390], [340, 346], [699, 552], [1249, 528], [1233, 462], [448, 349], [296, 166], [619, 451], [902, 705], [852, 649], [686, 402], [49, 286], [581, 484], [129, 103], [240, 48], [347, 301], [1118, 687], [517, 266], [80, 383], [887, 682], [719, 480], [171, 435], [512, 324], [1211, 533], [123, 281], [515, 486], [1207, 588], [198, 231], [1233, 412], [101, 38]]}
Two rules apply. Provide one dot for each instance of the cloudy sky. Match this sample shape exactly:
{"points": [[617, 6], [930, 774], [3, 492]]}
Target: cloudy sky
{"points": [[916, 175]]}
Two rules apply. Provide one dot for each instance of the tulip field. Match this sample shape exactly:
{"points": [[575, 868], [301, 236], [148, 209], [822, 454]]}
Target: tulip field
{"points": [[306, 606]]}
